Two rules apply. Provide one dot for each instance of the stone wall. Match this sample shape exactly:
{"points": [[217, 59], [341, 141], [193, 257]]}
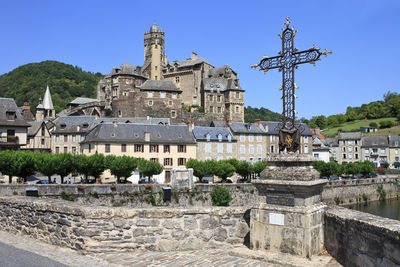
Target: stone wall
{"points": [[99, 229], [360, 239]]}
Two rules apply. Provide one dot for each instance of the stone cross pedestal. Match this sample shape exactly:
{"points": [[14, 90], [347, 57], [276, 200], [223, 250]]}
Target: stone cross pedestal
{"points": [[290, 219]]}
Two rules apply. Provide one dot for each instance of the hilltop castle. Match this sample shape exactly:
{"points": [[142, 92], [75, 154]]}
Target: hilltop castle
{"points": [[179, 90]]}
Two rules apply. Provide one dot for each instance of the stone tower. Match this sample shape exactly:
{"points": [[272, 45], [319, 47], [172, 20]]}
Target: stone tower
{"points": [[45, 109], [154, 54]]}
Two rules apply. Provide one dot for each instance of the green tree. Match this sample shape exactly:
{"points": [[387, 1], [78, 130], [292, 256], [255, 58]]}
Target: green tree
{"points": [[259, 167], [64, 164], [244, 168], [224, 170], [46, 164], [366, 167], [199, 168], [25, 164], [97, 165], [81, 165], [122, 167], [352, 168], [149, 168], [7, 164]]}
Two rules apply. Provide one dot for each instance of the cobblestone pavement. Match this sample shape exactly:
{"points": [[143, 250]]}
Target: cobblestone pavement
{"points": [[241, 256]]}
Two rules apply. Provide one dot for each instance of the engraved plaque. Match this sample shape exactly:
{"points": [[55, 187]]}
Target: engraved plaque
{"points": [[280, 198], [276, 218]]}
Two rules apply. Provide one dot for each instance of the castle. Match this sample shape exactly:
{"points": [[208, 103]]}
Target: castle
{"points": [[190, 89]]}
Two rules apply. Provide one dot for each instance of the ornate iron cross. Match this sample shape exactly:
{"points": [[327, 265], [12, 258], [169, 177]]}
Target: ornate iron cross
{"points": [[289, 59]]}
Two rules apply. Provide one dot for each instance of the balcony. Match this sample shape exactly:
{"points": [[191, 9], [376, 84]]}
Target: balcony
{"points": [[9, 140]]}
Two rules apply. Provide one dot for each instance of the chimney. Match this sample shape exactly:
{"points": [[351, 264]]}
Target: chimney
{"points": [[257, 121], [191, 125], [194, 56], [228, 122], [26, 106]]}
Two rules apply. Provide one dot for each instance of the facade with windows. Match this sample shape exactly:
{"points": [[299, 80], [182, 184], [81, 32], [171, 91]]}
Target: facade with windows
{"points": [[375, 149], [169, 145], [214, 143], [349, 147], [394, 151], [39, 137]]}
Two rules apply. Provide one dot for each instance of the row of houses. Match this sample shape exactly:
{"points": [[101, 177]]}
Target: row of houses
{"points": [[353, 147]]}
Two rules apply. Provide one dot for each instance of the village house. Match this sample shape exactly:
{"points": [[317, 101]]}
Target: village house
{"points": [[349, 147], [394, 151]]}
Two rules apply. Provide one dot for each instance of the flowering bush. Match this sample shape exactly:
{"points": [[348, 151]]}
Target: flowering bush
{"points": [[148, 187], [380, 170], [81, 186]]}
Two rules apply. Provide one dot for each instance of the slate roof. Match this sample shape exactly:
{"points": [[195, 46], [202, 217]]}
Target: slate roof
{"points": [[188, 62], [394, 141], [34, 127], [47, 102], [221, 84], [247, 128], [218, 124], [127, 69], [318, 142], [272, 128], [159, 85], [8, 104], [349, 135], [70, 124], [82, 100], [135, 120], [331, 142], [200, 133], [375, 141], [135, 133]]}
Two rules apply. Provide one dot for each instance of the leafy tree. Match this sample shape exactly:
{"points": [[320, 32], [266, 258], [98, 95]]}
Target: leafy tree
{"points": [[81, 165], [224, 170], [259, 167], [199, 168], [244, 168], [352, 168], [149, 168], [108, 161], [25, 164], [366, 167], [122, 167], [7, 164], [64, 164], [97, 165], [46, 164], [373, 124]]}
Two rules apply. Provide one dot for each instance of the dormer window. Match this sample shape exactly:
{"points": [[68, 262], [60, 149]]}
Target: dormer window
{"points": [[85, 125], [229, 137], [220, 137], [11, 115], [63, 125], [208, 136]]}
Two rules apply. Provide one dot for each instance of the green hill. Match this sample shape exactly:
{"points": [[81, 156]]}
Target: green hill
{"points": [[250, 114], [28, 82]]}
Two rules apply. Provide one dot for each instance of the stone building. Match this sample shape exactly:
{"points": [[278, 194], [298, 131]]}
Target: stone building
{"points": [[13, 127], [333, 145], [170, 145], [375, 149], [45, 109], [161, 88], [394, 151], [39, 137], [214, 143], [349, 147]]}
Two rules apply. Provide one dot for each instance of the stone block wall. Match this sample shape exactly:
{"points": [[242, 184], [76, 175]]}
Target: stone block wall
{"points": [[100, 229], [360, 239]]}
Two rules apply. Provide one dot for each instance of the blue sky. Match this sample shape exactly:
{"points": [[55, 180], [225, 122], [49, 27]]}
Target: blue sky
{"points": [[99, 35]]}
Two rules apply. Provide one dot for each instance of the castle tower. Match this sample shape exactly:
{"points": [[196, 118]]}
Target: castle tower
{"points": [[45, 108], [154, 55]]}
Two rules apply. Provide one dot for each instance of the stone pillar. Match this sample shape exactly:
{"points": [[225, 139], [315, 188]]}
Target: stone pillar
{"points": [[290, 219]]}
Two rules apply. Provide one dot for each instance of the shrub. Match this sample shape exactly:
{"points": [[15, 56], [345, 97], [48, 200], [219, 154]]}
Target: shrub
{"points": [[382, 193], [373, 124], [220, 196], [380, 170], [67, 196], [365, 197]]}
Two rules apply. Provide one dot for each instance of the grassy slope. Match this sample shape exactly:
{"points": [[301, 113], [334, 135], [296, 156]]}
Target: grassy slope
{"points": [[355, 126]]}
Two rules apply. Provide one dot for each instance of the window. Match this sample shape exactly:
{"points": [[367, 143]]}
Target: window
{"points": [[366, 157], [181, 148], [65, 149], [237, 95], [173, 114], [251, 160], [154, 159], [350, 142], [383, 150], [259, 138], [305, 149], [305, 139], [149, 94], [73, 150], [57, 138], [162, 94], [181, 161], [220, 148], [150, 103], [139, 148], [167, 177], [10, 115], [350, 156], [170, 103], [272, 138], [211, 98], [153, 148], [195, 100], [82, 137], [74, 138], [57, 149], [208, 148], [367, 150], [211, 109], [251, 138], [107, 148], [123, 147], [242, 149], [237, 109], [65, 138], [259, 149], [356, 156], [375, 150], [155, 67], [208, 136], [272, 149], [43, 131], [251, 149], [356, 142], [344, 156], [167, 149], [155, 78], [344, 149], [177, 79], [218, 98], [396, 158], [242, 138], [396, 151], [356, 149], [396, 143], [90, 148], [229, 148], [168, 162], [316, 155], [220, 137], [229, 138], [174, 95], [219, 109], [42, 141], [350, 149]]}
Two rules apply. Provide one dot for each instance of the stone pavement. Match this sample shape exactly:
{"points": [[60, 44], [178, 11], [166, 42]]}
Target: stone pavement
{"points": [[240, 256]]}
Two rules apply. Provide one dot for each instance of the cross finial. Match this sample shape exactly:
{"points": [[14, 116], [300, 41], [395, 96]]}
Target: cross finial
{"points": [[287, 23]]}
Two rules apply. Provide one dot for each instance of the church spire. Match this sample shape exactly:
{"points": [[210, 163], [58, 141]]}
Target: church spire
{"points": [[47, 102]]}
